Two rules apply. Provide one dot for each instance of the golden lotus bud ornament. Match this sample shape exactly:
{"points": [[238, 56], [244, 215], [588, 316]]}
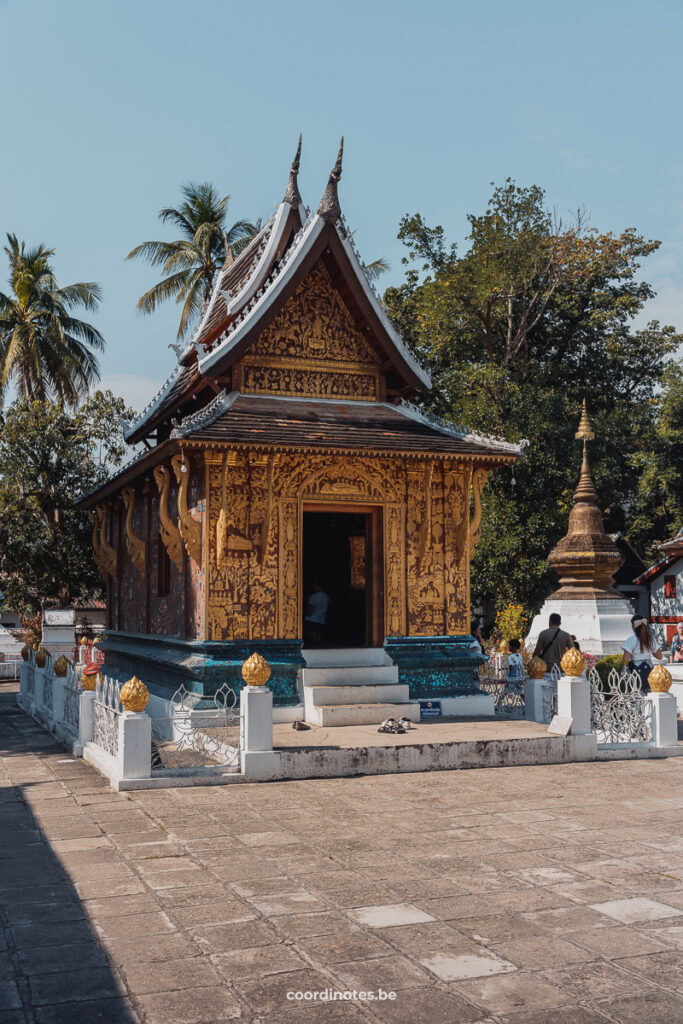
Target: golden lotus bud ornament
{"points": [[61, 666], [89, 676], [256, 670], [573, 662], [41, 657], [134, 695], [660, 679], [536, 668], [24, 652]]}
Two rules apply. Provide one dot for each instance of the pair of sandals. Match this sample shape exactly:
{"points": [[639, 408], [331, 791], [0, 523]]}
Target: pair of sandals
{"points": [[391, 725]]}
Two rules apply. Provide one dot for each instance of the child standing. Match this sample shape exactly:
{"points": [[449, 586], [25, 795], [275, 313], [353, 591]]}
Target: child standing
{"points": [[515, 665]]}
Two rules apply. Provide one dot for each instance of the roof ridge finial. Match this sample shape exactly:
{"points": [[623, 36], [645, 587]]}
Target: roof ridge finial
{"points": [[292, 194], [329, 208]]}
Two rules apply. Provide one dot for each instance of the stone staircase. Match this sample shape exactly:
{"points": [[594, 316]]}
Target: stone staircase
{"points": [[354, 686]]}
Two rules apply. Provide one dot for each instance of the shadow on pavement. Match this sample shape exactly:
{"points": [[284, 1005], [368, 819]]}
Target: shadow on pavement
{"points": [[53, 968]]}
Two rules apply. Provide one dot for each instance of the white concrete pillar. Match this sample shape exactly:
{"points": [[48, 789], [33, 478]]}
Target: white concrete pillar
{"points": [[256, 718], [86, 716], [664, 719], [536, 694], [257, 758], [135, 745], [574, 701], [24, 670]]}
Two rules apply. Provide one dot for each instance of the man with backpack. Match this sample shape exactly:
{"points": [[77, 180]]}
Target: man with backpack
{"points": [[552, 642]]}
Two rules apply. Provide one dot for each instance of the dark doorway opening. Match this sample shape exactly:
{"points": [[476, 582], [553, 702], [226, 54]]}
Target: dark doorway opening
{"points": [[338, 550]]}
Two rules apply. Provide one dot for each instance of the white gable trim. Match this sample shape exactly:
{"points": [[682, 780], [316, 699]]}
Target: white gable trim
{"points": [[256, 279], [285, 270]]}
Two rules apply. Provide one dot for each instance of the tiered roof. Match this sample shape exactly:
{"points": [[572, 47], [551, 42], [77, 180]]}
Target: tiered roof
{"points": [[203, 400]]}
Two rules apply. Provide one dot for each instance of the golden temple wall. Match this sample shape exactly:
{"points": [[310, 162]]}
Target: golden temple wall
{"points": [[252, 546]]}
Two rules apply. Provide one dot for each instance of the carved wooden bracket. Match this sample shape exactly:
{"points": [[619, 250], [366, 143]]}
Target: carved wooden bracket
{"points": [[107, 553], [99, 561], [137, 548], [478, 481], [190, 529], [169, 532]]}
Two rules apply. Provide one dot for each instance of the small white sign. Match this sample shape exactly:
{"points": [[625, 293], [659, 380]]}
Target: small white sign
{"points": [[560, 725], [59, 617]]}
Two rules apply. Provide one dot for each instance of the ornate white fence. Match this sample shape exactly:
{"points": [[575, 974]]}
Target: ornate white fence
{"points": [[508, 695], [72, 703], [198, 732], [106, 711], [620, 711]]}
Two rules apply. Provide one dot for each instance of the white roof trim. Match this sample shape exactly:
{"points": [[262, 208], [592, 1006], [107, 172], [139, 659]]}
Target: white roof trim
{"points": [[373, 299], [206, 416], [255, 280], [284, 270], [152, 406], [461, 433]]}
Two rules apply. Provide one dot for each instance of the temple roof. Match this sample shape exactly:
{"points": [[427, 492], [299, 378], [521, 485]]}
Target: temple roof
{"points": [[250, 420], [249, 291]]}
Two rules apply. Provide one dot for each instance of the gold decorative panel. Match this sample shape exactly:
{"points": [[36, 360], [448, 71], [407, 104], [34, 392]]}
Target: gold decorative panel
{"points": [[254, 591], [313, 347]]}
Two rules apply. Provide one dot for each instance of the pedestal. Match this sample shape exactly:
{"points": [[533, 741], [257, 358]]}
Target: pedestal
{"points": [[574, 701], [135, 745], [664, 719], [600, 624]]}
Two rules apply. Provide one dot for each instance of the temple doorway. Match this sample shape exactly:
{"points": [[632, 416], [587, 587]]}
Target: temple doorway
{"points": [[342, 559]]}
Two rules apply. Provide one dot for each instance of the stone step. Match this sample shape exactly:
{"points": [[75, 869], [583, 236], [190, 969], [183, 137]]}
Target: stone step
{"points": [[335, 657], [349, 675], [361, 714], [386, 693]]}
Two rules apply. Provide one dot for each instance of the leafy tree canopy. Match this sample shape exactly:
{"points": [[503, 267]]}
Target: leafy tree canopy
{"points": [[531, 318], [50, 458]]}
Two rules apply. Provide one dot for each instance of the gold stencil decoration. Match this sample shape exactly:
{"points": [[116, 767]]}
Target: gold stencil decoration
{"points": [[190, 528], [660, 679], [573, 662], [256, 670], [313, 347], [169, 532], [136, 546], [357, 559], [134, 695]]}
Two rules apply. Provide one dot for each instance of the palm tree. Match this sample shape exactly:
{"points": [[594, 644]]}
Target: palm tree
{"points": [[190, 264], [376, 268], [45, 351]]}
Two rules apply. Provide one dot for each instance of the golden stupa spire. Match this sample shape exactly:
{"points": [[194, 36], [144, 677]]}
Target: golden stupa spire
{"points": [[586, 558]]}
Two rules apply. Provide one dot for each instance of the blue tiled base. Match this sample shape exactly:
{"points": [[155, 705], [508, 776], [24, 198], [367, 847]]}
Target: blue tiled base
{"points": [[165, 663], [436, 666]]}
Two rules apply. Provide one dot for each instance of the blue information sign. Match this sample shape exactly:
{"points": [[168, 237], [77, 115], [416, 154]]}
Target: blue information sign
{"points": [[430, 709]]}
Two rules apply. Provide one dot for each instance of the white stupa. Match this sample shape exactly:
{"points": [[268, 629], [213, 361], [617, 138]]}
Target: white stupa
{"points": [[586, 560]]}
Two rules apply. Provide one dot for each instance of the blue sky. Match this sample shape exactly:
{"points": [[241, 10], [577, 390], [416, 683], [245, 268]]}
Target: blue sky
{"points": [[109, 106]]}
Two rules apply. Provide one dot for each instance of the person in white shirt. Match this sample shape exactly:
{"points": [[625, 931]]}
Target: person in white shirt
{"points": [[315, 620], [641, 649], [478, 644]]}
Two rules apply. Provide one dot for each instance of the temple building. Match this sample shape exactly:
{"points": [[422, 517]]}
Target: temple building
{"points": [[586, 561], [281, 455]]}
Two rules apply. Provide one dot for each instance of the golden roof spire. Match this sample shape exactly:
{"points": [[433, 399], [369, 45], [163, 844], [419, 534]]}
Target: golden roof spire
{"points": [[585, 431], [292, 194], [329, 208]]}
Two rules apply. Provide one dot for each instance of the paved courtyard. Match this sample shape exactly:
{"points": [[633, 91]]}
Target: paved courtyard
{"points": [[532, 895]]}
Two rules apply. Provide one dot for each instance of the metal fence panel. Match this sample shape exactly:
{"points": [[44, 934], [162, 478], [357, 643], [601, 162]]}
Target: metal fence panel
{"points": [[198, 732]]}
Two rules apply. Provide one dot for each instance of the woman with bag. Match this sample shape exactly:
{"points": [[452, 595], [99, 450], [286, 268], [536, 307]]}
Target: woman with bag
{"points": [[640, 650]]}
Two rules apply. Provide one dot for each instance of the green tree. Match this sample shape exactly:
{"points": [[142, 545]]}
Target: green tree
{"points": [[50, 458], [45, 351], [190, 263], [530, 319], [658, 506]]}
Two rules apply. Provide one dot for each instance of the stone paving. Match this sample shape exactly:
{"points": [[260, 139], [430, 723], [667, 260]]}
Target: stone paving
{"points": [[530, 895]]}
